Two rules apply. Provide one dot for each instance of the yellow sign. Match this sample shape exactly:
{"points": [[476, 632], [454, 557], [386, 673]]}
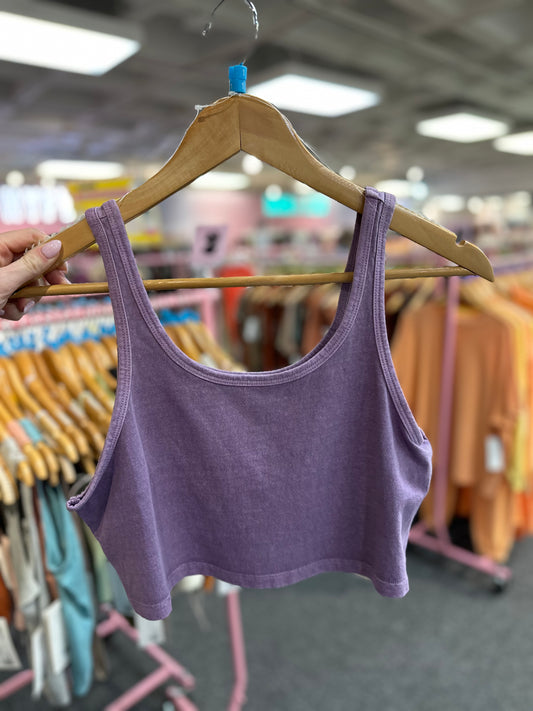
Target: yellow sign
{"points": [[92, 193]]}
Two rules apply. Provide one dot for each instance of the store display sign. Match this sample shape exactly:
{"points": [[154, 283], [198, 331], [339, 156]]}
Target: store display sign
{"points": [[92, 193], [35, 205], [289, 205], [210, 245]]}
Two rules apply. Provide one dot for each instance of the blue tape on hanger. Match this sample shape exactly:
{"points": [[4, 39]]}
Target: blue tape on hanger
{"points": [[31, 430], [237, 78]]}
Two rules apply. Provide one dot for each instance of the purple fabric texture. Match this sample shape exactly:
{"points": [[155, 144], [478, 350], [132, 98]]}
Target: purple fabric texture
{"points": [[259, 479]]}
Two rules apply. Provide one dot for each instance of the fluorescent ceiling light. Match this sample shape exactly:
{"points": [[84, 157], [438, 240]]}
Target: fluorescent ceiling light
{"points": [[520, 143], [51, 44], [314, 96], [221, 181], [462, 127], [79, 170]]}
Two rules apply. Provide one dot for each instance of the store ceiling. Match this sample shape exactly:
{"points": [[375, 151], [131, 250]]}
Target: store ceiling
{"points": [[424, 53]]}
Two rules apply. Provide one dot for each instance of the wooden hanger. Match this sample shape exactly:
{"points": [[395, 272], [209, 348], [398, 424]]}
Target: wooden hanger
{"points": [[45, 422], [44, 395], [60, 393], [246, 123]]}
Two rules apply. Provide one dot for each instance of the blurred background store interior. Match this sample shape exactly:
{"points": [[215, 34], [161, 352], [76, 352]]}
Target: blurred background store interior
{"points": [[430, 100]]}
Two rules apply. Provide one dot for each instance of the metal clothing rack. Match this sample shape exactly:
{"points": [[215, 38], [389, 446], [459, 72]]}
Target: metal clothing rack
{"points": [[439, 541], [168, 668]]}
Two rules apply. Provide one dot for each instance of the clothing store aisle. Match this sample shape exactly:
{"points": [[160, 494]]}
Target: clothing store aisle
{"points": [[332, 643]]}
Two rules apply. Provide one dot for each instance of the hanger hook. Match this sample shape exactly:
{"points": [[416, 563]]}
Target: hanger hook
{"points": [[255, 20]]}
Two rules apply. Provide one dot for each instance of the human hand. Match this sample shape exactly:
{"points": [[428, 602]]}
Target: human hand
{"points": [[18, 268]]}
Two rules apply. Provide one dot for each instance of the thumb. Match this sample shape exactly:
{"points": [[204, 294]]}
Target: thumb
{"points": [[32, 264]]}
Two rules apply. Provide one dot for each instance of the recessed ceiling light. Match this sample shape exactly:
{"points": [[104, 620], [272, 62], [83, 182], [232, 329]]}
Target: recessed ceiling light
{"points": [[252, 165], [60, 45], [221, 181], [475, 204], [462, 127], [348, 172], [79, 170], [273, 192], [310, 95], [520, 143], [15, 178], [415, 174]]}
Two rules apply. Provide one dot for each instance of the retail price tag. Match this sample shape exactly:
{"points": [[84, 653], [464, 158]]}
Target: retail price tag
{"points": [[209, 248], [55, 637], [150, 631], [9, 659], [38, 654], [494, 454]]}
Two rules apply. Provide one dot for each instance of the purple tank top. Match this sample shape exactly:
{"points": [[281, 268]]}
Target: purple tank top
{"points": [[259, 479]]}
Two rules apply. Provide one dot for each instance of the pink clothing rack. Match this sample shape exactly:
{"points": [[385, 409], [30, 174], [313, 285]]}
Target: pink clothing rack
{"points": [[440, 542], [204, 299], [169, 668]]}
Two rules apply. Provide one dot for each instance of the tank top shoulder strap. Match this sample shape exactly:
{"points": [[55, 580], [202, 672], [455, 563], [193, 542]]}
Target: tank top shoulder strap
{"points": [[108, 229], [366, 257], [379, 208]]}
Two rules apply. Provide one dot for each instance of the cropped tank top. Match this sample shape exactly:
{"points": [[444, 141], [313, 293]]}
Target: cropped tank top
{"points": [[259, 479]]}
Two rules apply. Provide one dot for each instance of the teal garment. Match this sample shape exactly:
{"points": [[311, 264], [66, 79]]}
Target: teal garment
{"points": [[104, 590], [64, 558]]}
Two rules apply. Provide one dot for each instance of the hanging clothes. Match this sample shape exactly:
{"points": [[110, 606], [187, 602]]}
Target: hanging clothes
{"points": [[259, 479], [65, 561]]}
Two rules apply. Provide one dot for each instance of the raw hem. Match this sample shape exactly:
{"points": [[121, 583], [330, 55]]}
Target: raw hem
{"points": [[163, 608]]}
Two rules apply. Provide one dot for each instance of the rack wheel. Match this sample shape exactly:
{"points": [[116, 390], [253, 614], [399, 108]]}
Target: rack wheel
{"points": [[499, 585]]}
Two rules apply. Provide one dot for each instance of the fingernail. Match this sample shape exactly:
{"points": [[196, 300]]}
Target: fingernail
{"points": [[28, 306], [51, 249], [2, 312]]}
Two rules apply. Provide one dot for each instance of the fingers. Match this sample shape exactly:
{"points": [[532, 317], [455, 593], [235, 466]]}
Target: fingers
{"points": [[16, 241], [29, 266]]}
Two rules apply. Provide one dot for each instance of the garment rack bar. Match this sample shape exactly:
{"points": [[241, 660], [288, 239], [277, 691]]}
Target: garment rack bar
{"points": [[218, 282]]}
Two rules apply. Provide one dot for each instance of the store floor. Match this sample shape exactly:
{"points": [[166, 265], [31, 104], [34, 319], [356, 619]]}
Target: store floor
{"points": [[331, 643]]}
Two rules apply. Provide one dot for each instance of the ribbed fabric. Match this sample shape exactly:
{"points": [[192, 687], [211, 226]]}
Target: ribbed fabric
{"points": [[259, 479]]}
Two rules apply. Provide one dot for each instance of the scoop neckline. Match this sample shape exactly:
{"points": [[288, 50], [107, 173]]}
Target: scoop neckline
{"points": [[345, 315]]}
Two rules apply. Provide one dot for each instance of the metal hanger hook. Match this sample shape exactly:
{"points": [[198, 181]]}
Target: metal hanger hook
{"points": [[255, 20]]}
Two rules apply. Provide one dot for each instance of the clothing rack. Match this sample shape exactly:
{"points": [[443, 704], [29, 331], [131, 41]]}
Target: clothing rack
{"points": [[168, 668], [205, 300], [440, 541]]}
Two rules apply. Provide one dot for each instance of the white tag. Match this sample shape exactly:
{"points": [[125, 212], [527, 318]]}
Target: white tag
{"points": [[55, 636], [494, 454], [37, 661], [224, 588], [150, 631], [9, 659], [251, 330]]}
